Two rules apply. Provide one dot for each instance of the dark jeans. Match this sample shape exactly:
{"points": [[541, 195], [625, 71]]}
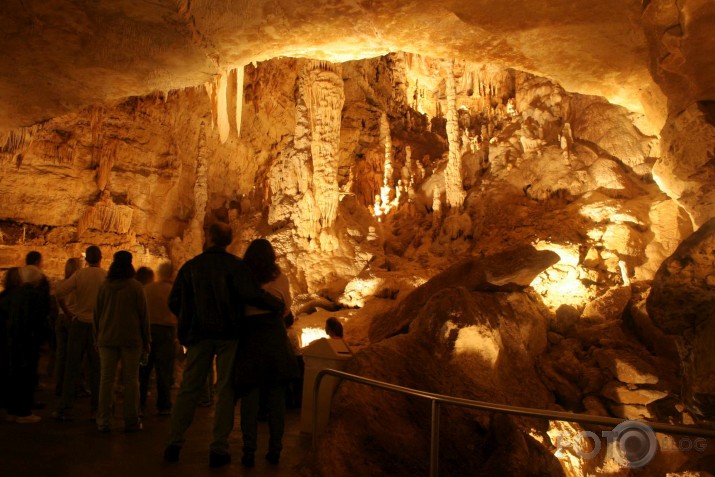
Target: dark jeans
{"points": [[21, 382], [79, 343], [275, 396], [161, 357], [61, 336]]}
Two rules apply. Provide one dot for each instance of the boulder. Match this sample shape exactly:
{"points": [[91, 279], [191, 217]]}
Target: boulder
{"points": [[467, 344], [682, 303], [594, 406], [509, 270], [608, 306], [684, 171], [625, 366], [620, 393]]}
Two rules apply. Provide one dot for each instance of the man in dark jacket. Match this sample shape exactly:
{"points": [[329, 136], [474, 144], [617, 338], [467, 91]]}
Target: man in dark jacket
{"points": [[208, 297]]}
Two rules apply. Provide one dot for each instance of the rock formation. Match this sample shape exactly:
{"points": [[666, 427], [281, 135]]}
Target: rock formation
{"points": [[681, 303]]}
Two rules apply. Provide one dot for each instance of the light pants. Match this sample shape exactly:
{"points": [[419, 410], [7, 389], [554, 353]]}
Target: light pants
{"points": [[109, 357], [199, 359]]}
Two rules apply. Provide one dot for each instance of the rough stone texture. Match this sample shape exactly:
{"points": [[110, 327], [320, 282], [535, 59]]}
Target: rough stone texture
{"points": [[632, 412], [682, 303], [514, 268], [490, 357], [608, 306], [685, 170], [84, 54], [619, 392], [626, 366]]}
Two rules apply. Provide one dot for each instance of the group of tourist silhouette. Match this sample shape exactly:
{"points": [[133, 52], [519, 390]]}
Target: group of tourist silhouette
{"points": [[229, 315]]}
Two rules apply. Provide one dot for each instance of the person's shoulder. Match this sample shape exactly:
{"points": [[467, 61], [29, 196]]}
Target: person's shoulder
{"points": [[91, 271]]}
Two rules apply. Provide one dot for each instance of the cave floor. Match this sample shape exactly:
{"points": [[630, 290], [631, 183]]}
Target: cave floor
{"points": [[52, 448]]}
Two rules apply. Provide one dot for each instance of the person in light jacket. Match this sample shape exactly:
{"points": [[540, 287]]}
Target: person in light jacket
{"points": [[122, 325]]}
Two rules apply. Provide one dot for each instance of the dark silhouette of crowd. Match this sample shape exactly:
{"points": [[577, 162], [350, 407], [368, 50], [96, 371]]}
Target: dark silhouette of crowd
{"points": [[108, 331]]}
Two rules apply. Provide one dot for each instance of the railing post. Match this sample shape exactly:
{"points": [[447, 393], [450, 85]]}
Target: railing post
{"points": [[434, 441], [316, 393]]}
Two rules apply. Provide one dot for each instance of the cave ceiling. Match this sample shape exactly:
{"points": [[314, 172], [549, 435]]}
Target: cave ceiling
{"points": [[61, 55]]}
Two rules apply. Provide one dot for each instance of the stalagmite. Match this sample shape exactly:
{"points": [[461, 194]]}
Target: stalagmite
{"points": [[201, 185], [193, 237], [326, 98], [453, 172]]}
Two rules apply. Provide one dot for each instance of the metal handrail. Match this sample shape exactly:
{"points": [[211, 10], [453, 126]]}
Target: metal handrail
{"points": [[438, 399]]}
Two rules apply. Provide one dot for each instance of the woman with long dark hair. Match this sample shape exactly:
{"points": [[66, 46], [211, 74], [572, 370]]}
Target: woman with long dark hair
{"points": [[122, 325], [265, 362]]}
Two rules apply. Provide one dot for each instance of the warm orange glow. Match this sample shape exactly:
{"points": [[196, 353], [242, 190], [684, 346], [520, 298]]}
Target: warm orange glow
{"points": [[561, 284], [310, 334]]}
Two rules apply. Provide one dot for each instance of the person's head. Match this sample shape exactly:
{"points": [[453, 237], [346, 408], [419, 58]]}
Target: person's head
{"points": [[145, 275], [72, 265], [165, 271], [289, 319], [220, 235], [261, 259], [333, 327], [93, 255], [34, 258], [121, 266], [12, 279]]}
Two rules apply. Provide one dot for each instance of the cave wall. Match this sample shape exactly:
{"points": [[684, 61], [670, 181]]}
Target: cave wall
{"points": [[348, 169]]}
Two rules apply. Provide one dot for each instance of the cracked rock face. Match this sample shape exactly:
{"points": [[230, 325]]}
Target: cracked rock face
{"points": [[681, 303]]}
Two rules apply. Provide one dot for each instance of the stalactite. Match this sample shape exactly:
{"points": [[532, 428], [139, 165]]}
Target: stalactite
{"points": [[106, 216], [96, 119], [210, 88], [16, 141], [106, 162], [453, 172], [224, 126], [239, 99]]}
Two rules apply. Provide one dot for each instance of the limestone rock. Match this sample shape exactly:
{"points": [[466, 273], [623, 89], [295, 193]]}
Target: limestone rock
{"points": [[659, 343], [487, 357], [594, 406], [608, 306], [670, 225], [632, 412], [620, 393], [514, 268], [566, 316], [684, 171], [611, 128], [626, 366], [682, 303]]}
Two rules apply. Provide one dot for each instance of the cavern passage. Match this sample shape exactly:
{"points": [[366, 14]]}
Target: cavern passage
{"points": [[503, 201]]}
